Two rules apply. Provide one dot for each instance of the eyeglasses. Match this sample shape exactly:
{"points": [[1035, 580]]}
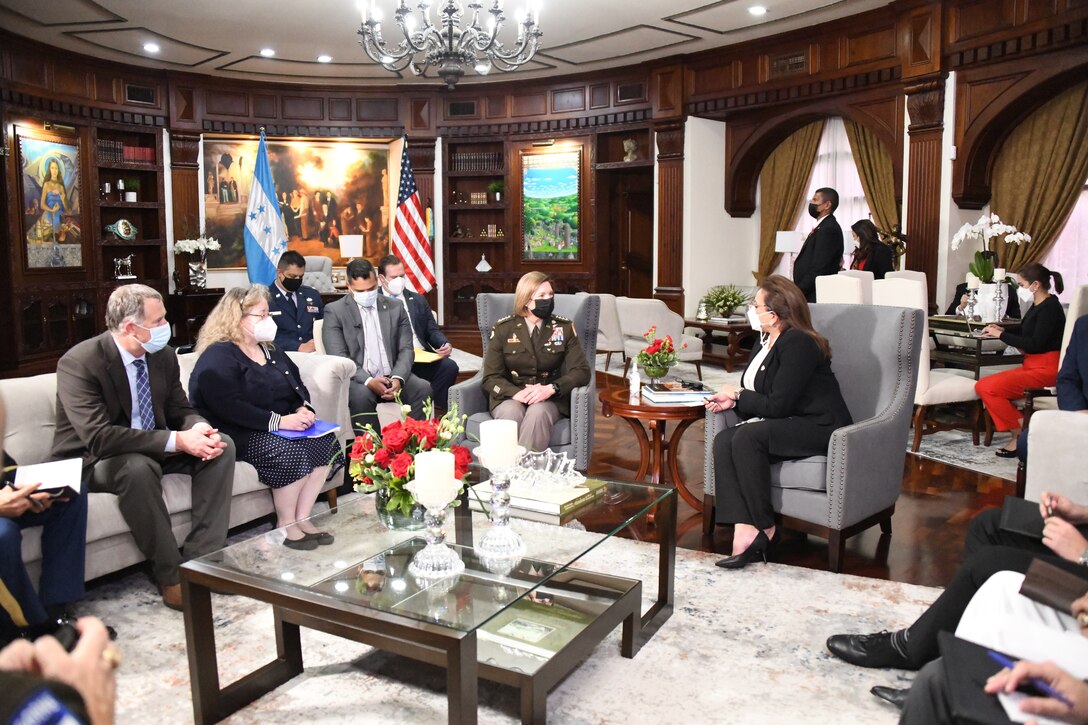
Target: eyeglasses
{"points": [[265, 316], [756, 307]]}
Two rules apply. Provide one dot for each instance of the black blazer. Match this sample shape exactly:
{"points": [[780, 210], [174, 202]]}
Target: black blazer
{"points": [[821, 254], [795, 381], [1073, 377], [423, 324], [294, 323], [879, 261]]}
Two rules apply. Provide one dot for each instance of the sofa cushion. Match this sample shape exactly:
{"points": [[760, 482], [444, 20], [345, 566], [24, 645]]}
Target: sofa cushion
{"points": [[31, 404]]}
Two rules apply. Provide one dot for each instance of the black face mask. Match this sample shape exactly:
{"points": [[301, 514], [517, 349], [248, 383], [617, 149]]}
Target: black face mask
{"points": [[813, 211], [543, 308], [292, 285]]}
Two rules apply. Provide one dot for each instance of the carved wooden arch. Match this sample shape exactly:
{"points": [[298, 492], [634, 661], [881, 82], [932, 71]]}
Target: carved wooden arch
{"points": [[990, 103], [751, 138]]}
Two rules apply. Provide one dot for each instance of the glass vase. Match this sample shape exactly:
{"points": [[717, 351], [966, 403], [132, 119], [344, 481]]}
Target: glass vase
{"points": [[656, 372], [198, 269], [396, 520]]}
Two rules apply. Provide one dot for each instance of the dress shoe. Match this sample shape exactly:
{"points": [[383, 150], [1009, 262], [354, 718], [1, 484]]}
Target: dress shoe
{"points": [[303, 544], [171, 597], [894, 695], [756, 550], [1005, 453], [323, 538], [868, 650]]}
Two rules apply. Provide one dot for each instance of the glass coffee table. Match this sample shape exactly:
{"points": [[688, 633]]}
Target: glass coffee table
{"points": [[524, 622]]}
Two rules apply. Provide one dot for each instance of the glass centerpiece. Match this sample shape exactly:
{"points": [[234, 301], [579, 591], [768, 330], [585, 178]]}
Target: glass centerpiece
{"points": [[659, 355]]}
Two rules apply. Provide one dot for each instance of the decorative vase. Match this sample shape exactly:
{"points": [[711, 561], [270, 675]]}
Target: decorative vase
{"points": [[986, 304], [655, 372], [198, 269], [395, 519]]}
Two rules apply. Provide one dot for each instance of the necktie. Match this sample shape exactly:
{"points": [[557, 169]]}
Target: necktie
{"points": [[143, 395]]}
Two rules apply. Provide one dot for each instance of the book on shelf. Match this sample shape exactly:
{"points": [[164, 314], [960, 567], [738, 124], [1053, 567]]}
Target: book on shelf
{"points": [[541, 628], [545, 501]]}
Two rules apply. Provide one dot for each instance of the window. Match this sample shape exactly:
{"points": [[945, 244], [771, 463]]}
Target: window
{"points": [[1069, 255], [835, 168]]}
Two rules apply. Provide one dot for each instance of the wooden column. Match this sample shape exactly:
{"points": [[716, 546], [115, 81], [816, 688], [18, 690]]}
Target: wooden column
{"points": [[184, 195], [925, 105], [670, 214]]}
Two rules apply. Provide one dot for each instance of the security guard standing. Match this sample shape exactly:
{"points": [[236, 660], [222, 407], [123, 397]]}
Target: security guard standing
{"points": [[532, 363], [293, 306]]}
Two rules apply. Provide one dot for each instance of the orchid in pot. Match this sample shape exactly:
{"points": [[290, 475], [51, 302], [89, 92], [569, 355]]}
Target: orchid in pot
{"points": [[197, 249], [989, 226]]}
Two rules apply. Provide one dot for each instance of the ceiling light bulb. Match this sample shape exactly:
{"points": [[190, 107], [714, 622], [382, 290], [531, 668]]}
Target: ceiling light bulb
{"points": [[324, 58], [757, 10], [267, 52], [151, 47]]}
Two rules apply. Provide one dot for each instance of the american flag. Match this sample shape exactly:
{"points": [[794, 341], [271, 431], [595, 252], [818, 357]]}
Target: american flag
{"points": [[410, 241]]}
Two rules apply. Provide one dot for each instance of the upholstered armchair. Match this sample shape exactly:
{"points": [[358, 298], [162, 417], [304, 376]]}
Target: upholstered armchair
{"points": [[849, 286], [1056, 455], [609, 334], [875, 358], [637, 315], [572, 435], [318, 273]]}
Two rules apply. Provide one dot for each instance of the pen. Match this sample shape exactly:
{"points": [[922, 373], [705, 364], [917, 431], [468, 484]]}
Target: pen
{"points": [[1049, 507], [1038, 684]]}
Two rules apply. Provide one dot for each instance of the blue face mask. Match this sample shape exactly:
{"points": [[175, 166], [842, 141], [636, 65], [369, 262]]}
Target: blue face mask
{"points": [[159, 337]]}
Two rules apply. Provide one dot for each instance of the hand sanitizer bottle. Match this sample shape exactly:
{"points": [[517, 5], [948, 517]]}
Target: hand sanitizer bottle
{"points": [[634, 383]]}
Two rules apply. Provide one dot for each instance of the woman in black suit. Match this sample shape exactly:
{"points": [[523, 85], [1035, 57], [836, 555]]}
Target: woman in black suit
{"points": [[249, 389], [789, 404], [871, 254]]}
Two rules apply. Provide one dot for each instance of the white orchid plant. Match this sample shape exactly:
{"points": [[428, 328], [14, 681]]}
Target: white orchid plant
{"points": [[193, 246], [989, 226]]}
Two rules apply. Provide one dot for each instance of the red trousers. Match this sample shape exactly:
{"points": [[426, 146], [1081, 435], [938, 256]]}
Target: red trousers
{"points": [[999, 390]]}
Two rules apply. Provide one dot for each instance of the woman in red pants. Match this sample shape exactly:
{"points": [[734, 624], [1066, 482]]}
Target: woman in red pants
{"points": [[1040, 339]]}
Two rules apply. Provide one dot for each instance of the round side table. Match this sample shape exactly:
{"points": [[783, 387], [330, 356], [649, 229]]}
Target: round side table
{"points": [[656, 454]]}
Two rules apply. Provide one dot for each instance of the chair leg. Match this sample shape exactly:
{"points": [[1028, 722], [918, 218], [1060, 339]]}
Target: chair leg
{"points": [[836, 550], [886, 526], [699, 370], [708, 515], [607, 360], [1021, 479], [330, 496], [626, 366], [919, 427], [976, 411], [989, 428]]}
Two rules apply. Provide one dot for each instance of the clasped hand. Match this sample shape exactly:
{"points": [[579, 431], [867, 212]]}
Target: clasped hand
{"points": [[301, 419], [536, 393], [724, 399], [1060, 533], [201, 441]]}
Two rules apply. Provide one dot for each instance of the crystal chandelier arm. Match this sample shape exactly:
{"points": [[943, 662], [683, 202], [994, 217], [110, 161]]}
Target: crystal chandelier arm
{"points": [[394, 59], [527, 43]]}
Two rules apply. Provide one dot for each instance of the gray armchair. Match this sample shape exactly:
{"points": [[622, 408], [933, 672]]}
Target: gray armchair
{"points": [[875, 358], [573, 435], [318, 273]]}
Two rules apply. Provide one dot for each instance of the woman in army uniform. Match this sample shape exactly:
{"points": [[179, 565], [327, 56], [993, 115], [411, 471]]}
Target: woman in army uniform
{"points": [[532, 363]]}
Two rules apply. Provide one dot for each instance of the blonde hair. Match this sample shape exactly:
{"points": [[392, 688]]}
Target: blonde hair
{"points": [[224, 323], [527, 286]]}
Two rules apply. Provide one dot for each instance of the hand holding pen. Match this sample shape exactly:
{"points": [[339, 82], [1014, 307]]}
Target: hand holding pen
{"points": [[1066, 696], [1055, 504]]}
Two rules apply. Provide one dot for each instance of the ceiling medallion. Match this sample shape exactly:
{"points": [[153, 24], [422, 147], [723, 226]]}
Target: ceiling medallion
{"points": [[444, 43]]}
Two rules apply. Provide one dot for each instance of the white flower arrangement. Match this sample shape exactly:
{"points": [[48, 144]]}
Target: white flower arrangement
{"points": [[988, 227], [200, 244]]}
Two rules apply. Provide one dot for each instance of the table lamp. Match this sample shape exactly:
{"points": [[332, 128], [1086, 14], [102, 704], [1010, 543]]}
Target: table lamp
{"points": [[351, 246]]}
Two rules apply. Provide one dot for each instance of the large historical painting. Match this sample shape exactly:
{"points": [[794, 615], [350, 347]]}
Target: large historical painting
{"points": [[550, 205], [325, 189], [52, 210]]}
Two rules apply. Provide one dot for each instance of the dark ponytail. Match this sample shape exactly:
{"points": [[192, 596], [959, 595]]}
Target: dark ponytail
{"points": [[1036, 272]]}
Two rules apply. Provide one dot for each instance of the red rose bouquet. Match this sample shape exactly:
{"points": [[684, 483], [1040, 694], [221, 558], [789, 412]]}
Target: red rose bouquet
{"points": [[386, 460], [659, 353]]}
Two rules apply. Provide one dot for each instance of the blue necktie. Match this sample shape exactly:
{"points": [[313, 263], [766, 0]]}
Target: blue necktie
{"points": [[143, 395]]}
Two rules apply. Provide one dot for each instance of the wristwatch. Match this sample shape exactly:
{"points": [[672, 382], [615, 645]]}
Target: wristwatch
{"points": [[1083, 560], [555, 387]]}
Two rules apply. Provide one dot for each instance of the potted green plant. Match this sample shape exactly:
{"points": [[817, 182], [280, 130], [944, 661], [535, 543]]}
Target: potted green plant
{"points": [[496, 188], [722, 300]]}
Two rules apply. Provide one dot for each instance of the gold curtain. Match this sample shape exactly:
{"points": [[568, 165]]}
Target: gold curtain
{"points": [[782, 189], [874, 164], [1039, 174]]}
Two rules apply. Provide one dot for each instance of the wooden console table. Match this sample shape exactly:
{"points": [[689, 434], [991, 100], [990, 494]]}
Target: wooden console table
{"points": [[728, 352], [187, 312]]}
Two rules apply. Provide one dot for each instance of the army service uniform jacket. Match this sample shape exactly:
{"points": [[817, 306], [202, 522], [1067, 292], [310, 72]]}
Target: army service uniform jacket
{"points": [[514, 360]]}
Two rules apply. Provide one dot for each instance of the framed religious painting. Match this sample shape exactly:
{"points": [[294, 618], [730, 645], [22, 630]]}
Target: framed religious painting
{"points": [[551, 204], [325, 189], [50, 198]]}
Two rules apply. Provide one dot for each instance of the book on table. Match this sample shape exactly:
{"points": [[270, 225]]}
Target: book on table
{"points": [[484, 507], [676, 391], [542, 500], [318, 429]]}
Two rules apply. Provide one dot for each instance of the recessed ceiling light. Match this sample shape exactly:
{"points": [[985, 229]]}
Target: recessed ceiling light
{"points": [[324, 58], [757, 10], [267, 52], [151, 47]]}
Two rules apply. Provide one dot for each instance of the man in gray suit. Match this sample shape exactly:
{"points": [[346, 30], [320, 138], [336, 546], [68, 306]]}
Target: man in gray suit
{"points": [[374, 332], [121, 408]]}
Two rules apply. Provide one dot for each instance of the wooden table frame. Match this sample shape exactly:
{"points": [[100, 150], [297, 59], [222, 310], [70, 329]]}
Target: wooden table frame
{"points": [[656, 454], [456, 651], [736, 331]]}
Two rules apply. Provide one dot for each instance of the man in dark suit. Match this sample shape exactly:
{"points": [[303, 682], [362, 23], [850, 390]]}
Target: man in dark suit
{"points": [[440, 373], [293, 306], [822, 251], [374, 332], [1072, 380], [121, 408]]}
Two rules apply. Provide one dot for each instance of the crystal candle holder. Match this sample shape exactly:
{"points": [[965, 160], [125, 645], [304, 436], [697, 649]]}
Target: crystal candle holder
{"points": [[500, 541], [437, 560]]}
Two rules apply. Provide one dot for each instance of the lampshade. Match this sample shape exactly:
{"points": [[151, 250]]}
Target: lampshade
{"points": [[788, 242], [351, 245]]}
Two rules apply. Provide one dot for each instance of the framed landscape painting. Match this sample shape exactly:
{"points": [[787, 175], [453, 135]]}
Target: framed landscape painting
{"points": [[550, 205], [324, 189], [50, 198]]}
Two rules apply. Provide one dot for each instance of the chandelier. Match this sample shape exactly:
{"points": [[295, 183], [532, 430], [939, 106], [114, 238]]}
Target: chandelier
{"points": [[445, 44]]}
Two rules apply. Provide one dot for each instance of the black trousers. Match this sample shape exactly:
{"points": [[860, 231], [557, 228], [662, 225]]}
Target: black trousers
{"points": [[743, 455], [441, 374], [988, 551], [928, 702]]}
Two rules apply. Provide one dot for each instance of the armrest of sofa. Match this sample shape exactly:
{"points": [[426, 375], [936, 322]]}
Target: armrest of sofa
{"points": [[1055, 455], [327, 377]]}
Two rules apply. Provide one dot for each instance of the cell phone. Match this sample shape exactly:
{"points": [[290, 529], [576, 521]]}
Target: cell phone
{"points": [[68, 636]]}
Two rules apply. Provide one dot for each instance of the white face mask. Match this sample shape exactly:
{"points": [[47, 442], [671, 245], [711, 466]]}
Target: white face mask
{"points": [[159, 337], [366, 299], [395, 286], [265, 330], [1025, 294], [753, 319]]}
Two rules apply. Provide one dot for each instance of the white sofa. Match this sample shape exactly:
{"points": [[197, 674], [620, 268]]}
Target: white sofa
{"points": [[31, 418]]}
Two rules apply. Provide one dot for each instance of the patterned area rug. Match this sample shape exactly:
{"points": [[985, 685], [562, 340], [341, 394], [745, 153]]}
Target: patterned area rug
{"points": [[742, 647]]}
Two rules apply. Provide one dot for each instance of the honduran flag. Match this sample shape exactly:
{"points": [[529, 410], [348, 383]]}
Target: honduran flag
{"points": [[265, 236]]}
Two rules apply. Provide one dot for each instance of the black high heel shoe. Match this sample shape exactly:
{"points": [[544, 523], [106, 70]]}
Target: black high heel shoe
{"points": [[756, 550]]}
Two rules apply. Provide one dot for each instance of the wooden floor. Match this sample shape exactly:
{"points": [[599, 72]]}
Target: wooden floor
{"points": [[931, 517]]}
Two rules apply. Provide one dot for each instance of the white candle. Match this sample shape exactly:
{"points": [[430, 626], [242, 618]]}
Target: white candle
{"points": [[972, 281], [498, 443], [434, 485], [999, 274]]}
